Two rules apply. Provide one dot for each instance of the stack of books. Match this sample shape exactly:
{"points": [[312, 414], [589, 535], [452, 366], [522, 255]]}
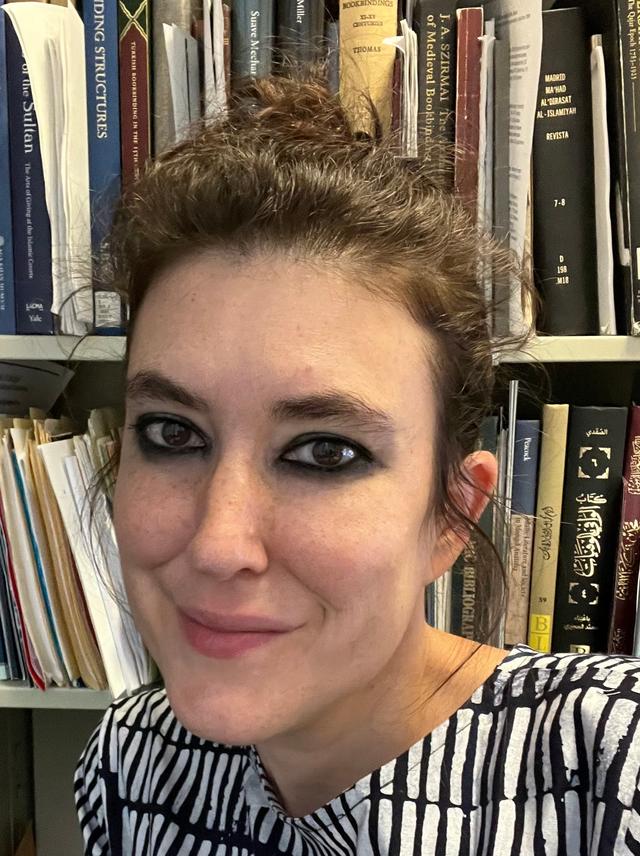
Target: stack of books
{"points": [[539, 102]]}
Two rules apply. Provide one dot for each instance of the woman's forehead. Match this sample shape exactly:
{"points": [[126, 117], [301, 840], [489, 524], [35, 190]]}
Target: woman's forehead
{"points": [[277, 316], [283, 338]]}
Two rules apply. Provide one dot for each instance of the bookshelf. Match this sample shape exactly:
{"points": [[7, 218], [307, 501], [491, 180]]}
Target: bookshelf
{"points": [[110, 349], [96, 353], [14, 694], [88, 348]]}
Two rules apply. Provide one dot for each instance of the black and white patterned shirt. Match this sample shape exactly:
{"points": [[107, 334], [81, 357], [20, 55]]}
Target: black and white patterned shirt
{"points": [[544, 758]]}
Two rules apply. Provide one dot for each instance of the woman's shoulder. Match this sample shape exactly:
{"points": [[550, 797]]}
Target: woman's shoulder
{"points": [[579, 712], [601, 686], [608, 674]]}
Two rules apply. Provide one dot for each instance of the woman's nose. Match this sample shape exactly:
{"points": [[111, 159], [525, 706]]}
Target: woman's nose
{"points": [[231, 514]]}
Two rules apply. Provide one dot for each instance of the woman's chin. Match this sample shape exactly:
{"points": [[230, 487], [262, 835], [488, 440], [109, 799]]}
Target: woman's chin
{"points": [[216, 717]]}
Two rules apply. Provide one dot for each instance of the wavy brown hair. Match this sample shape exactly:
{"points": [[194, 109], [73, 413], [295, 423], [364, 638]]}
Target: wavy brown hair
{"points": [[283, 174]]}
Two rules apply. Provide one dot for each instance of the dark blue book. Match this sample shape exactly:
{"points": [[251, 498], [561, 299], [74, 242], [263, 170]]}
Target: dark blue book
{"points": [[33, 286], [7, 305], [103, 115], [525, 467]]}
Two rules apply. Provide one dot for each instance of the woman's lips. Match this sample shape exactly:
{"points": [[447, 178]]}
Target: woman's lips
{"points": [[223, 644]]}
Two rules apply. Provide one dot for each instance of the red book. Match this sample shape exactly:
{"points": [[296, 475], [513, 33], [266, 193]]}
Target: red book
{"points": [[467, 135], [623, 612], [135, 109]]}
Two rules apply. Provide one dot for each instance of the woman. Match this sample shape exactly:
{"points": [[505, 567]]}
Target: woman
{"points": [[308, 364]]}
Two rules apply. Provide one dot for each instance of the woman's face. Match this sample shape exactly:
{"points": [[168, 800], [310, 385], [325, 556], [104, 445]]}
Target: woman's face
{"points": [[244, 380]]}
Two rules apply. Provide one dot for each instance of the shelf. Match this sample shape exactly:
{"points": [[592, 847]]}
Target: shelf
{"points": [[91, 348], [546, 349], [12, 695], [578, 349]]}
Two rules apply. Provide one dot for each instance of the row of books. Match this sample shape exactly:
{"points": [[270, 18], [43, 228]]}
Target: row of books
{"points": [[569, 498], [64, 619], [539, 101], [569, 537]]}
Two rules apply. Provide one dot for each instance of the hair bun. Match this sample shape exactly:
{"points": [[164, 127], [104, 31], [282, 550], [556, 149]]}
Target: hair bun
{"points": [[301, 107]]}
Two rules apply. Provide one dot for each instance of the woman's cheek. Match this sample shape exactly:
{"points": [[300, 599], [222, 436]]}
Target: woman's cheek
{"points": [[151, 516]]}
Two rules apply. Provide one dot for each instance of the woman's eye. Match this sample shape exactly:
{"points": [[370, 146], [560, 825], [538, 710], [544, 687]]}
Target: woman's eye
{"points": [[167, 434], [326, 454]]}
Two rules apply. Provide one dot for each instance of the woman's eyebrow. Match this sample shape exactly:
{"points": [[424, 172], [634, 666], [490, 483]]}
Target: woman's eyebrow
{"points": [[151, 384], [337, 405], [328, 404]]}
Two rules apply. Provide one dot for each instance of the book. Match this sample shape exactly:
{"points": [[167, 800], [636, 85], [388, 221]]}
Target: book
{"points": [[300, 27], [523, 504], [33, 283], [103, 118], [564, 224], [625, 586], [546, 541], [628, 18], [252, 38], [464, 621], [467, 120], [367, 40], [164, 12], [103, 114], [135, 105], [436, 27], [589, 529], [226, 16], [7, 297]]}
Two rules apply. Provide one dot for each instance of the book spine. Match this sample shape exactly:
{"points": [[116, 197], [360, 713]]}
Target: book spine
{"points": [[589, 528], [226, 17], [135, 127], [252, 38], [467, 122], [463, 574], [523, 504], [103, 114], [628, 35], [544, 564], [436, 30], [7, 296], [103, 110], [165, 12], [33, 284], [366, 61], [564, 225], [625, 587], [300, 25]]}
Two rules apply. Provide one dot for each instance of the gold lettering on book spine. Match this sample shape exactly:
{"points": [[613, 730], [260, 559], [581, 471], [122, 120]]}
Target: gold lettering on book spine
{"points": [[628, 545], [634, 468]]}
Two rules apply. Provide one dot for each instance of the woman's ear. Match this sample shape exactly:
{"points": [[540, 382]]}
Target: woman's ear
{"points": [[471, 495]]}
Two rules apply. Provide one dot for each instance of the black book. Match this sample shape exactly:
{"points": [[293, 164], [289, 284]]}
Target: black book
{"points": [[602, 19], [463, 577], [252, 38], [564, 225], [589, 528], [300, 25], [435, 24]]}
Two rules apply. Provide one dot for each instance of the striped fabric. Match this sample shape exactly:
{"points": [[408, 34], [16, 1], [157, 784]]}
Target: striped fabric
{"points": [[544, 758]]}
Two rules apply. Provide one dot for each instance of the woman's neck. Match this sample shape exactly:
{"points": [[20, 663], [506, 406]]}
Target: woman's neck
{"points": [[424, 683]]}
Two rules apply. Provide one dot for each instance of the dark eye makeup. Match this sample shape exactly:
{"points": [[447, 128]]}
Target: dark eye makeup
{"points": [[161, 436]]}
